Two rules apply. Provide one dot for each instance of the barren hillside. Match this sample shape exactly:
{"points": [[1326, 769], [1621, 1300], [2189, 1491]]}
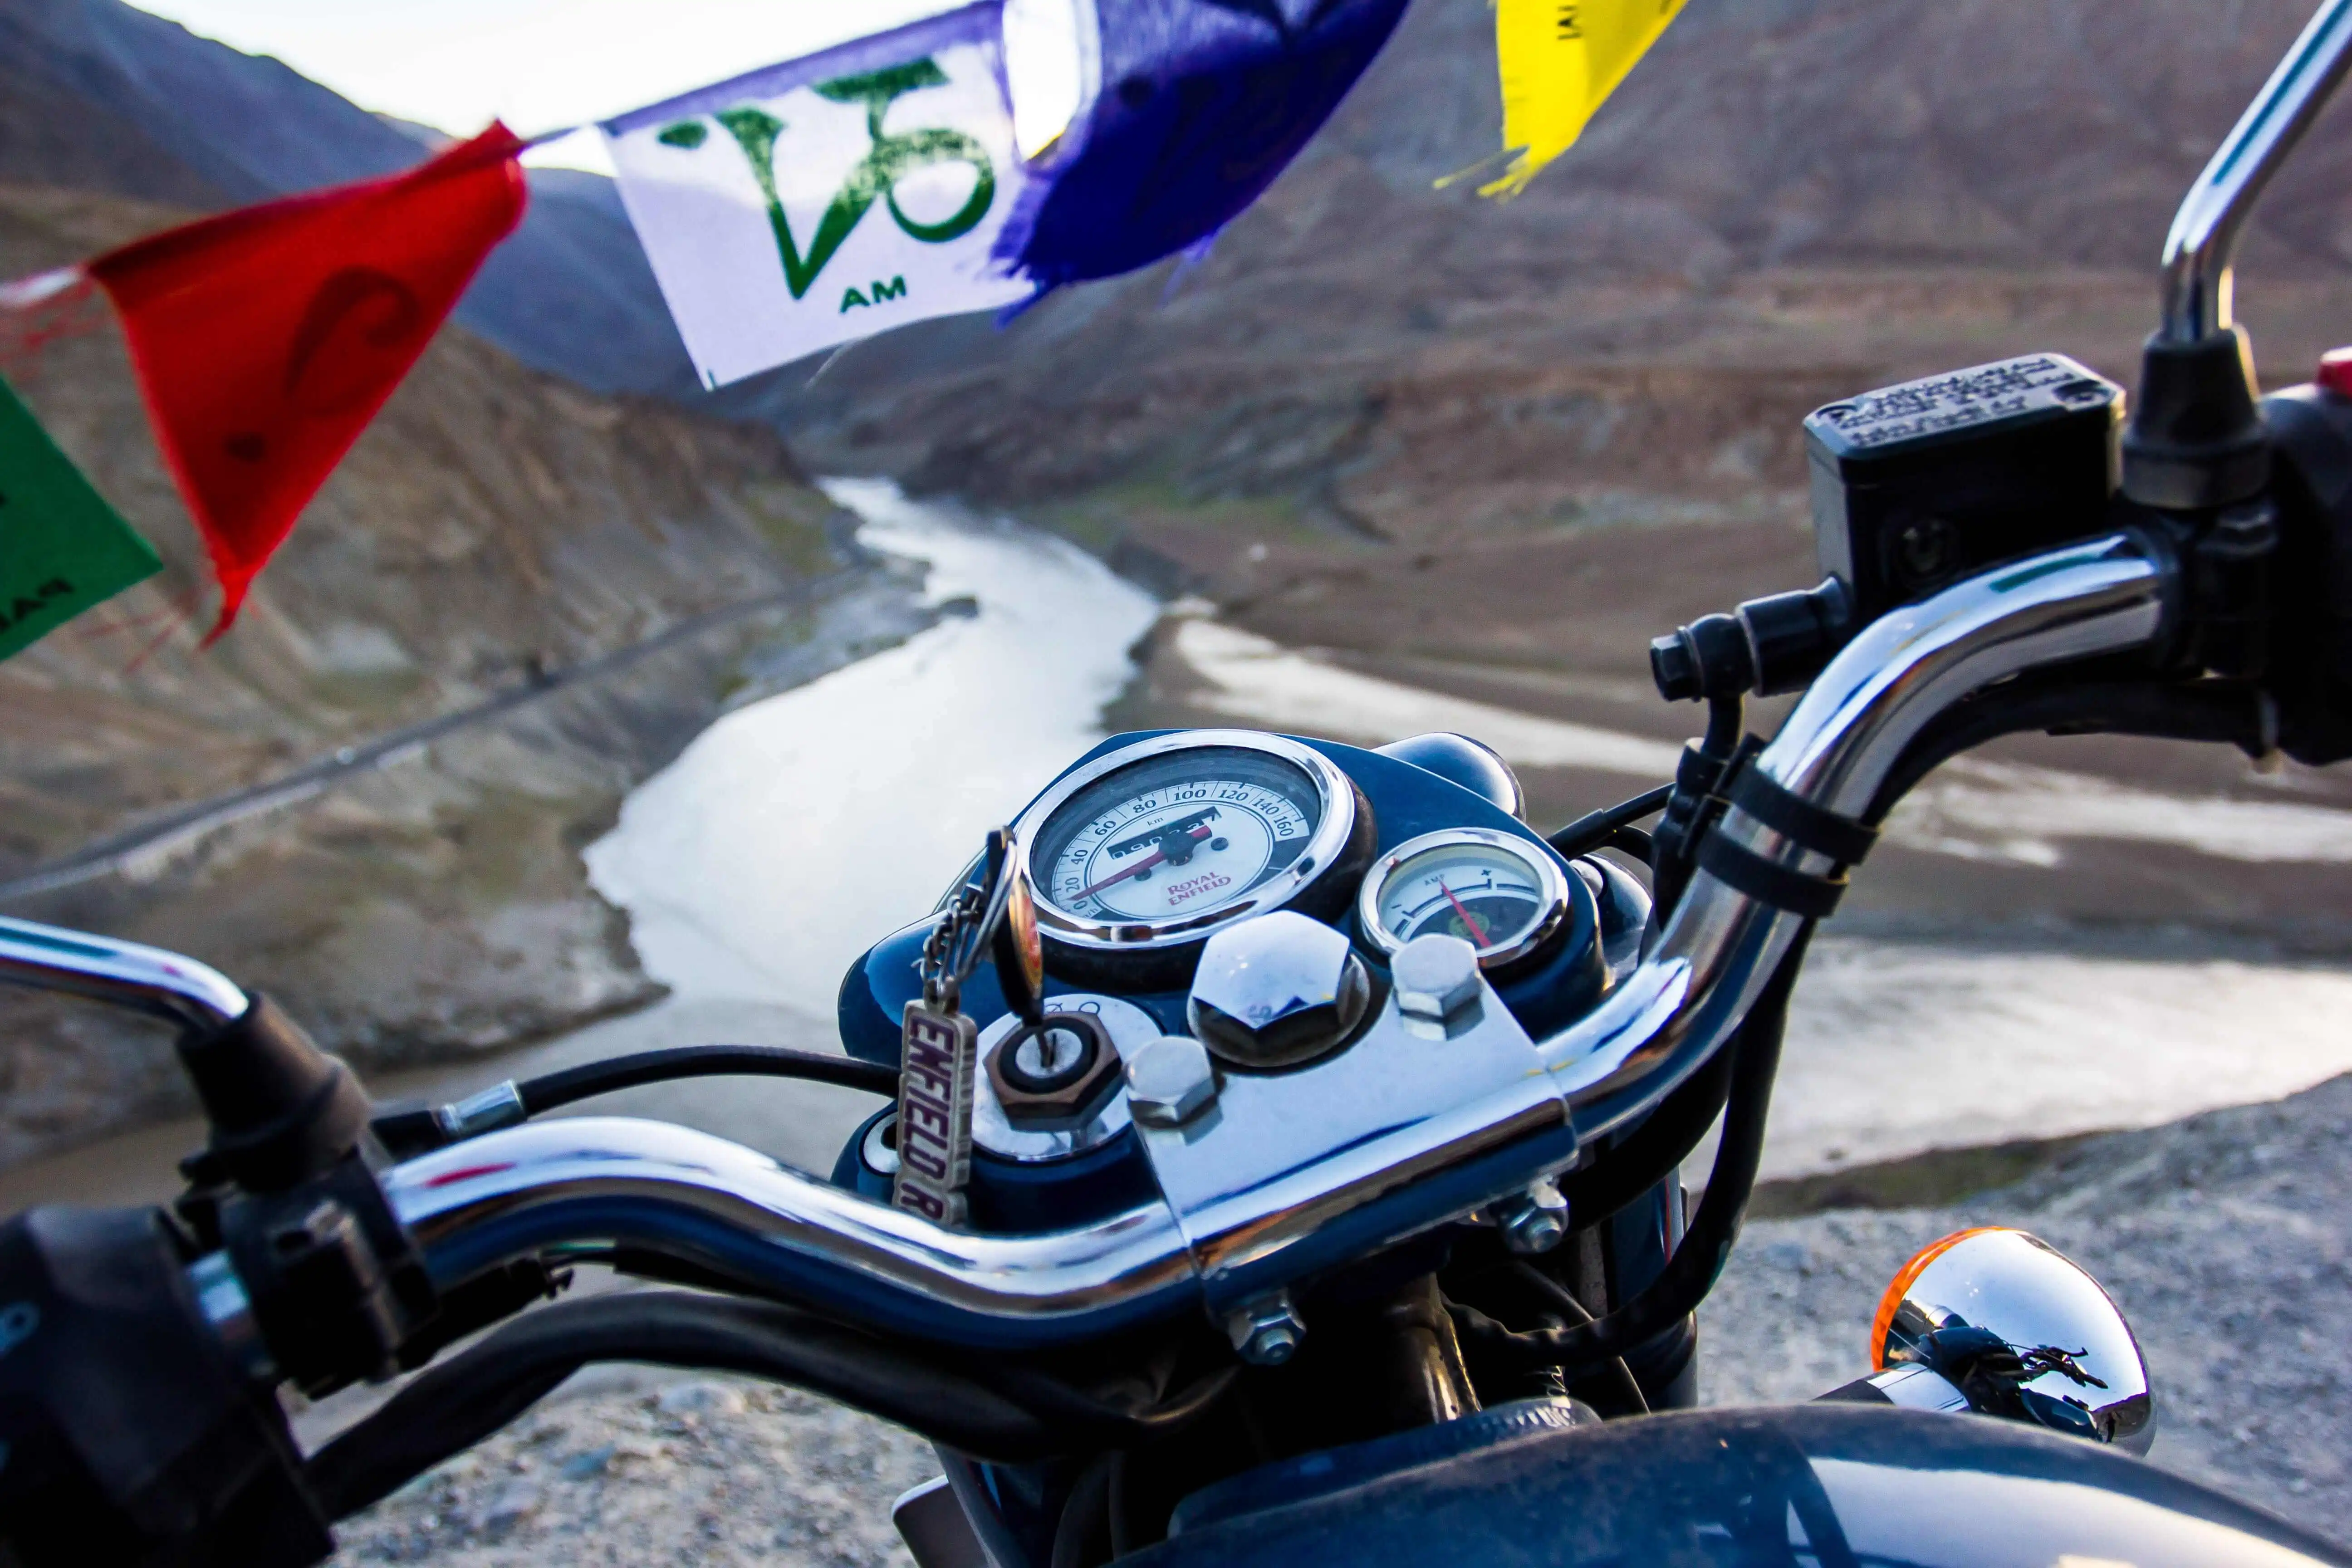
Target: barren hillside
{"points": [[496, 527], [1789, 201]]}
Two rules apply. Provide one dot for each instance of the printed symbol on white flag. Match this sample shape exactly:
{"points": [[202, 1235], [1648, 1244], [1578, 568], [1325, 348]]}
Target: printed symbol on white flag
{"points": [[893, 157], [801, 207]]}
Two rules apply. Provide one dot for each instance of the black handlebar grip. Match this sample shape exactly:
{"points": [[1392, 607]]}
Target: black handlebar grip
{"points": [[127, 1434]]}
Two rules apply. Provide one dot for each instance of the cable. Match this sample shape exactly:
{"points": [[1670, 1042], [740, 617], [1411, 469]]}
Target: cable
{"points": [[1688, 813], [1696, 1264], [410, 1130], [616, 1073], [995, 1413], [1612, 827], [1560, 1296], [1627, 1170], [1086, 1523], [2218, 711]]}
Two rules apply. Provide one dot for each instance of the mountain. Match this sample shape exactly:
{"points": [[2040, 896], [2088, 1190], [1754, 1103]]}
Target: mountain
{"points": [[495, 529], [98, 96], [1788, 201]]}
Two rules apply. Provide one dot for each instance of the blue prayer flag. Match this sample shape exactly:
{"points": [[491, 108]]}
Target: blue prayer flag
{"points": [[1201, 104]]}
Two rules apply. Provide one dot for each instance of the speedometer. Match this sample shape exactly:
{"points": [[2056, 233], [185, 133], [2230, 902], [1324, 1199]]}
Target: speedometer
{"points": [[1156, 843]]}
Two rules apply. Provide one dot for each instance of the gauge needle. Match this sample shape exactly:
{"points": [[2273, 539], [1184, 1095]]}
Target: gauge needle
{"points": [[1468, 919], [1148, 862]]}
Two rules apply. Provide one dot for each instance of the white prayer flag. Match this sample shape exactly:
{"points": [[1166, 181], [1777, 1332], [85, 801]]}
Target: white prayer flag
{"points": [[828, 198]]}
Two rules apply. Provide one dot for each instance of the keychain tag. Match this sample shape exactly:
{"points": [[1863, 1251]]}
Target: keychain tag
{"points": [[939, 1045], [940, 1049]]}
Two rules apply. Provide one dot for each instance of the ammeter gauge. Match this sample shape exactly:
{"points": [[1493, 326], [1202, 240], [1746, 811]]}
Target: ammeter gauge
{"points": [[1503, 896]]}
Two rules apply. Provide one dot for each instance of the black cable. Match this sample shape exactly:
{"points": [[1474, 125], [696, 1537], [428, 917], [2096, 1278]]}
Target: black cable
{"points": [[2211, 710], [1696, 1264], [409, 1130], [1560, 1296], [988, 1411], [1688, 816], [1082, 1537], [1628, 1170], [616, 1073], [1726, 722], [1632, 841], [1601, 829]]}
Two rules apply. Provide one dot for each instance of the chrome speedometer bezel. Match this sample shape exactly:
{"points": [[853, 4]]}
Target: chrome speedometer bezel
{"points": [[1326, 846], [1552, 882]]}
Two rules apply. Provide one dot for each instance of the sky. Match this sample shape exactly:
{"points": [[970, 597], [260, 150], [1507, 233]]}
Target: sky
{"points": [[538, 64]]}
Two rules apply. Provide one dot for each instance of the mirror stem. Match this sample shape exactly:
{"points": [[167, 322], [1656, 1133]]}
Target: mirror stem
{"points": [[2203, 244]]}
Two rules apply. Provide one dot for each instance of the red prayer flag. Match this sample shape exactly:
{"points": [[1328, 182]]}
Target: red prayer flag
{"points": [[267, 338]]}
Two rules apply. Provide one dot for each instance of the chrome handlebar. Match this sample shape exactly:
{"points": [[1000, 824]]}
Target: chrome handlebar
{"points": [[123, 974], [782, 1233]]}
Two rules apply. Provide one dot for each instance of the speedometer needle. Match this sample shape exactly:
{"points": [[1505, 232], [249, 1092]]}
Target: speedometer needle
{"points": [[1468, 919], [1148, 862]]}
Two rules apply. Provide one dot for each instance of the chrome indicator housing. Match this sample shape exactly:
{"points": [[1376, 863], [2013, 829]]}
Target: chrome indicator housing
{"points": [[2073, 1349]]}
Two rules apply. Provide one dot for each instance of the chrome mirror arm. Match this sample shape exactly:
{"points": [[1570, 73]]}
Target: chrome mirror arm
{"points": [[120, 974], [2203, 244]]}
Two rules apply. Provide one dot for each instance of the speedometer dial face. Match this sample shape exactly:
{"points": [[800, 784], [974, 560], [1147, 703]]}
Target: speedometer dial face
{"points": [[1504, 898], [1160, 845], [1179, 836]]}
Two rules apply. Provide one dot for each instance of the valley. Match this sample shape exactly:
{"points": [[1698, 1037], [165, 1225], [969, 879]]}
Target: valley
{"points": [[496, 533]]}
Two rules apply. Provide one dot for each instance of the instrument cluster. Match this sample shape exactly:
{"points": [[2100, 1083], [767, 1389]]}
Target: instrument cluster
{"points": [[1150, 845]]}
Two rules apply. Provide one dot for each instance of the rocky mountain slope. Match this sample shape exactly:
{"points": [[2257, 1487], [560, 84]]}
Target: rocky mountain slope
{"points": [[1787, 201], [495, 528], [98, 96]]}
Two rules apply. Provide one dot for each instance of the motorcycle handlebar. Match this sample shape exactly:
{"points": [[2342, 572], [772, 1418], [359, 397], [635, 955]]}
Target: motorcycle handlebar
{"points": [[780, 1233], [123, 973]]}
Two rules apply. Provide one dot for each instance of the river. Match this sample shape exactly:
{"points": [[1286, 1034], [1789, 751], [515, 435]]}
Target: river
{"points": [[799, 829], [796, 831]]}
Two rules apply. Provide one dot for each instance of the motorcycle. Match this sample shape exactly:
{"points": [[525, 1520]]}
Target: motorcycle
{"points": [[1282, 1150]]}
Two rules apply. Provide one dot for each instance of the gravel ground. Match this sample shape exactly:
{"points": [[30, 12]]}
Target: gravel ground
{"points": [[709, 1473], [2224, 1237]]}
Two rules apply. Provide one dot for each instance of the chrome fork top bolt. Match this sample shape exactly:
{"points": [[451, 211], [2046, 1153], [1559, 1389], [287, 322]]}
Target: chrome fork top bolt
{"points": [[1279, 991], [1267, 1331], [1534, 1221]]}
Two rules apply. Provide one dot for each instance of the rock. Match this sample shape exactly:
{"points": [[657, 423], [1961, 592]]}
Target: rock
{"points": [[509, 1507], [587, 1466], [700, 1399], [718, 1479]]}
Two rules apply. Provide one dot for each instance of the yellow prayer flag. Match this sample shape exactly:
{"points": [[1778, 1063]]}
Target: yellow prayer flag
{"points": [[1561, 59]]}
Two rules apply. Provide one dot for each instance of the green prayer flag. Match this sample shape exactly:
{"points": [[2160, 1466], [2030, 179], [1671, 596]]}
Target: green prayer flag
{"points": [[62, 548]]}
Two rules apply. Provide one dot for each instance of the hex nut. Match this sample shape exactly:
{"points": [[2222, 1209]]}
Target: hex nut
{"points": [[1277, 991], [1170, 1081], [1534, 1221], [1267, 1331], [1062, 1100], [1437, 978]]}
